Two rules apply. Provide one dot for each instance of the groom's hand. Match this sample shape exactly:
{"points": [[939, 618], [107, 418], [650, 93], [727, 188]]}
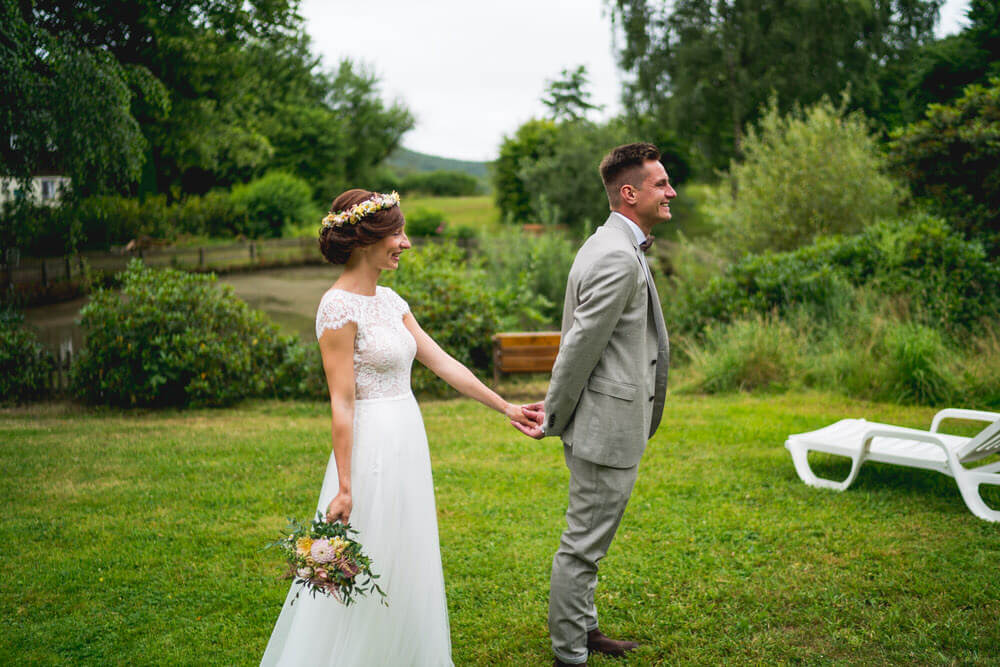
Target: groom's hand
{"points": [[535, 414]]}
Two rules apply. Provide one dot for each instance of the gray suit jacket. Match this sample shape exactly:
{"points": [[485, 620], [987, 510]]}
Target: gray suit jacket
{"points": [[608, 384]]}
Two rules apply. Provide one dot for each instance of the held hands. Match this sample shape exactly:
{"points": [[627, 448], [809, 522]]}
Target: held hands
{"points": [[339, 508], [533, 418]]}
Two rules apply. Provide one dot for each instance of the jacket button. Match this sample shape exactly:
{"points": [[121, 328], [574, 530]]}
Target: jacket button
{"points": [[654, 362], [652, 397]]}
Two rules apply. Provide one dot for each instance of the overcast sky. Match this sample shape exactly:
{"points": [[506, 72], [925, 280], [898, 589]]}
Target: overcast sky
{"points": [[472, 72]]}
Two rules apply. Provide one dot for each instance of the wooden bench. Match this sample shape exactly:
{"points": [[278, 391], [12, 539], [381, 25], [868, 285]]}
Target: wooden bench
{"points": [[524, 352]]}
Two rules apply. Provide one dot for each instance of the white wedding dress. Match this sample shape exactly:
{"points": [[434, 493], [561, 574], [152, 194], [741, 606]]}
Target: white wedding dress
{"points": [[393, 498]]}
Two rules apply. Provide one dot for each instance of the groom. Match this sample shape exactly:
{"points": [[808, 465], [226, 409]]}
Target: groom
{"points": [[606, 395]]}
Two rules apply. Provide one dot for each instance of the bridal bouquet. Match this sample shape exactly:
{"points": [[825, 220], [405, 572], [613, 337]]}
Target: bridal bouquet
{"points": [[323, 558]]}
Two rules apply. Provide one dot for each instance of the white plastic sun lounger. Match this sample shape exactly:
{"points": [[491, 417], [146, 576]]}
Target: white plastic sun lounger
{"points": [[862, 441]]}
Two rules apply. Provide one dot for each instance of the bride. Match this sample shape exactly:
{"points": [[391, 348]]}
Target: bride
{"points": [[379, 475]]}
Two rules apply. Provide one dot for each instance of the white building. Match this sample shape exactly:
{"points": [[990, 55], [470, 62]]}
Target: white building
{"points": [[43, 188]]}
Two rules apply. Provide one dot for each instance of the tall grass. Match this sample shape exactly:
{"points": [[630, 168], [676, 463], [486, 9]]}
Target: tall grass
{"points": [[868, 347]]}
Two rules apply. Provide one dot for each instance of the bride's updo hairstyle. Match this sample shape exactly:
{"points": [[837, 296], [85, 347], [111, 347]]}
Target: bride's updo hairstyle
{"points": [[336, 242]]}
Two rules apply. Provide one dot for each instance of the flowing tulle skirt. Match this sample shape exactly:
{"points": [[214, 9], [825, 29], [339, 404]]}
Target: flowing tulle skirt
{"points": [[393, 496]]}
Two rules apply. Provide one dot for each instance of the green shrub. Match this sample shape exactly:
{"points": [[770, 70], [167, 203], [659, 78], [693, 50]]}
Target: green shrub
{"points": [[173, 338], [25, 366], [441, 183], [948, 282], [791, 188], [541, 263], [424, 221], [451, 299], [273, 202], [300, 373], [214, 214], [111, 220], [37, 231]]}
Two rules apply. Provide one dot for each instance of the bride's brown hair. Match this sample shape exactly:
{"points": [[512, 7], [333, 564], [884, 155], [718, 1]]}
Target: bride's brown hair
{"points": [[337, 243]]}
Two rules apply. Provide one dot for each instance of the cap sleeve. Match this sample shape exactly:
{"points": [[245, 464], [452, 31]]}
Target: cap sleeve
{"points": [[397, 302], [335, 310]]}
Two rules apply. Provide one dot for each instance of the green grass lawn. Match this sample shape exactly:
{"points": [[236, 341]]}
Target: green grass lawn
{"points": [[134, 538], [479, 212]]}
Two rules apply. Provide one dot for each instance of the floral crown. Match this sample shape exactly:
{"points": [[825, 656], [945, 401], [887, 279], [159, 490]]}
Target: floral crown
{"points": [[354, 214]]}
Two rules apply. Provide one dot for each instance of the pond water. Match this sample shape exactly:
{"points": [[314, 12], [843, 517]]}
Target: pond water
{"points": [[289, 296]]}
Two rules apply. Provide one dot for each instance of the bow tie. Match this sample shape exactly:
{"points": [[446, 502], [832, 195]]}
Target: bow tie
{"points": [[644, 246]]}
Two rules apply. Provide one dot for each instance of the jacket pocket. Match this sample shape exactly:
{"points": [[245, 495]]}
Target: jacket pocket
{"points": [[622, 390]]}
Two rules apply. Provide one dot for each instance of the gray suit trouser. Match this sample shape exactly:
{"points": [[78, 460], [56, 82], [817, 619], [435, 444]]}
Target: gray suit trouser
{"points": [[597, 499]]}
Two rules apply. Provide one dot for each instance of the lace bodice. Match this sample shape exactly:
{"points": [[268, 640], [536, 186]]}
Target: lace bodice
{"points": [[383, 348]]}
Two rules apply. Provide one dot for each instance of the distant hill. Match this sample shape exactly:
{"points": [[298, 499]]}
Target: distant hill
{"points": [[404, 161]]}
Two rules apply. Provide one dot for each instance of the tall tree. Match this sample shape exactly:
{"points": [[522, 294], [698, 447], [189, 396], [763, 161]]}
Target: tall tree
{"points": [[568, 97], [941, 70], [705, 68], [214, 92], [65, 106], [952, 159]]}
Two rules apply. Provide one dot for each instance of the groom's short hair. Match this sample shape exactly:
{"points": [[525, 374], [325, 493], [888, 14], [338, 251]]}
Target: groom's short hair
{"points": [[624, 165]]}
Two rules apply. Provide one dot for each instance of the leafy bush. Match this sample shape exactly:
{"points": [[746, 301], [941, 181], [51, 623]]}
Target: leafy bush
{"points": [[25, 365], [441, 183], [540, 263], [38, 231], [109, 220], [450, 296], [273, 202], [948, 282], [98, 222], [424, 221], [173, 338], [214, 214], [952, 158], [790, 188]]}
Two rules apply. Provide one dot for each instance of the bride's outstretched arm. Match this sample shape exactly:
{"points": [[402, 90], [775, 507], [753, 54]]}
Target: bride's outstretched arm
{"points": [[462, 379], [337, 349]]}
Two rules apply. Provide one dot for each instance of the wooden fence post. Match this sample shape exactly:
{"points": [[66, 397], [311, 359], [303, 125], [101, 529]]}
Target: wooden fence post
{"points": [[45, 275], [201, 258]]}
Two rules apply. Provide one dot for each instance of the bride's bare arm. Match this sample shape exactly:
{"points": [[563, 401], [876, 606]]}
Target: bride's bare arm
{"points": [[337, 349], [461, 378]]}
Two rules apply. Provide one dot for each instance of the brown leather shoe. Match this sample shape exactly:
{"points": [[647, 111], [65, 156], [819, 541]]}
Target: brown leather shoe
{"points": [[597, 641]]}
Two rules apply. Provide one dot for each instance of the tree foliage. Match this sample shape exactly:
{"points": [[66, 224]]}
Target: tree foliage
{"points": [[941, 70], [66, 106], [805, 174], [532, 141], [567, 97], [705, 68], [952, 158], [192, 95]]}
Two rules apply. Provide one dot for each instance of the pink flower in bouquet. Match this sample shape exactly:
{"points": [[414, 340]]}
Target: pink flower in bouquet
{"points": [[304, 572], [349, 569], [322, 551]]}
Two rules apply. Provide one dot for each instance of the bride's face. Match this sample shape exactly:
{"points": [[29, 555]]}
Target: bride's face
{"points": [[385, 254]]}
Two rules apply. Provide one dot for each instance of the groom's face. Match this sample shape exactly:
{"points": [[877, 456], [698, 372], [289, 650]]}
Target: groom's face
{"points": [[654, 194]]}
